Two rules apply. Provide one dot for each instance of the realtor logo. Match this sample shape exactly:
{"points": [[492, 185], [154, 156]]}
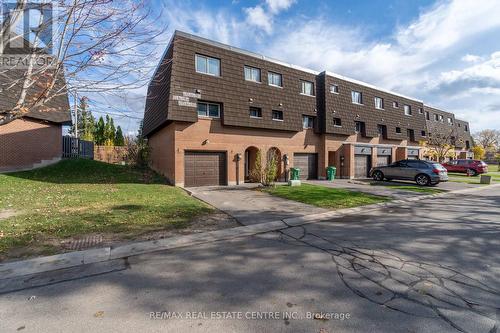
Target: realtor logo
{"points": [[28, 26]]}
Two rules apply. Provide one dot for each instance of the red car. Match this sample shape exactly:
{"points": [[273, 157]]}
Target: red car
{"points": [[473, 167]]}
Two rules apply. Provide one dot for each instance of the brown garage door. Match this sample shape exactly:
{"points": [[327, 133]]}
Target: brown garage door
{"points": [[308, 165], [204, 168], [383, 160], [361, 166]]}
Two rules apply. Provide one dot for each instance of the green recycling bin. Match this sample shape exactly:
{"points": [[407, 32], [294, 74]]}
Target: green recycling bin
{"points": [[330, 173], [294, 173]]}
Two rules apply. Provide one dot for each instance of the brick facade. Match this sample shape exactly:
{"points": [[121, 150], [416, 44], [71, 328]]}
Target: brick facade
{"points": [[24, 142], [173, 126]]}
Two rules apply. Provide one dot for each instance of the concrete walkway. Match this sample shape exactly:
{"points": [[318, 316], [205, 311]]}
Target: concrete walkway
{"points": [[250, 206]]}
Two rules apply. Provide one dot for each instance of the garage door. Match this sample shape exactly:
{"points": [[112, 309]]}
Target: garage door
{"points": [[383, 160], [361, 166], [204, 168], [308, 165]]}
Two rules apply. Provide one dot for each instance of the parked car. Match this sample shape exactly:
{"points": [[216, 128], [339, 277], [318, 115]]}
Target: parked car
{"points": [[472, 167], [422, 172]]}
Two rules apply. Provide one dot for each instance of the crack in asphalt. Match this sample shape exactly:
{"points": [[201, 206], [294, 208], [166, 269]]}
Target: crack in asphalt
{"points": [[410, 284]]}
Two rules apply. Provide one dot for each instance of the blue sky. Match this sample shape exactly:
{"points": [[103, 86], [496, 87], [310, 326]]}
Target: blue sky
{"points": [[446, 53]]}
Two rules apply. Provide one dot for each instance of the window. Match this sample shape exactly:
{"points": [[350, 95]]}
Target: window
{"points": [[255, 112], [398, 130], [436, 117], [407, 109], [410, 134], [459, 125], [277, 115], [441, 118], [427, 116], [307, 88], [252, 74], [208, 109], [275, 79], [467, 144], [450, 121], [307, 121], [379, 103], [337, 122], [420, 111], [359, 127], [207, 65], [422, 133], [466, 128], [334, 89], [395, 104], [382, 131], [357, 97]]}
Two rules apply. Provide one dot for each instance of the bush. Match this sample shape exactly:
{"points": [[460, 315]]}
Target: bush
{"points": [[256, 174], [271, 170], [138, 153]]}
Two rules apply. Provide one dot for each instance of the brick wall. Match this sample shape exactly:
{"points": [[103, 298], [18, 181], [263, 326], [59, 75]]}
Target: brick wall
{"points": [[25, 142]]}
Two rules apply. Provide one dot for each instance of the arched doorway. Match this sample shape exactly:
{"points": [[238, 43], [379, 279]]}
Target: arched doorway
{"points": [[276, 153], [250, 158]]}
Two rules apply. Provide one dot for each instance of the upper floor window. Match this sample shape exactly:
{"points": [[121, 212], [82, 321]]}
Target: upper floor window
{"points": [[467, 144], [450, 121], [334, 89], [382, 131], [459, 125], [410, 134], [441, 119], [337, 122], [379, 103], [407, 109], [436, 117], [420, 110], [252, 74], [359, 127], [277, 115], [307, 121], [255, 112], [307, 88], [398, 130], [207, 65], [427, 115], [422, 133], [357, 97], [275, 79], [395, 104], [466, 128], [208, 109]]}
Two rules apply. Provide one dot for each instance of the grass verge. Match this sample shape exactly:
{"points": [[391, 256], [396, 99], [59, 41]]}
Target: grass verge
{"points": [[463, 178], [412, 188], [325, 197], [78, 197]]}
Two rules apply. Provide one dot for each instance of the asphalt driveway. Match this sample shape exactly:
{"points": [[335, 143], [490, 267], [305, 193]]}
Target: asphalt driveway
{"points": [[250, 206], [431, 266]]}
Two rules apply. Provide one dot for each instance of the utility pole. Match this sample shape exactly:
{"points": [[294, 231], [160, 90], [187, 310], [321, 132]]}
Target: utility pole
{"points": [[75, 96]]}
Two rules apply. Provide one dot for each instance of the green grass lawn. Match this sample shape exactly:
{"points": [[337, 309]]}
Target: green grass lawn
{"points": [[325, 197], [76, 197], [412, 188], [463, 178]]}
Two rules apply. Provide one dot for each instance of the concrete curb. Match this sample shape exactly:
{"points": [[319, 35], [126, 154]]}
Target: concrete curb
{"points": [[30, 267]]}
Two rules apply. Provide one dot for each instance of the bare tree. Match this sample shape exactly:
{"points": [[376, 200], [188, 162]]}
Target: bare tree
{"points": [[442, 143], [489, 139], [95, 47]]}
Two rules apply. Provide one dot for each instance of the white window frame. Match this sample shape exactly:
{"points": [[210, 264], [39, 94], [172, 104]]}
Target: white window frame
{"points": [[406, 108], [270, 81], [381, 103], [276, 119], [252, 71], [207, 65], [304, 117], [334, 89], [356, 93], [303, 84], [257, 108], [395, 104], [208, 110]]}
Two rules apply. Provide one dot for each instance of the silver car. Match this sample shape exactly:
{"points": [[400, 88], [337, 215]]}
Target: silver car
{"points": [[422, 172]]}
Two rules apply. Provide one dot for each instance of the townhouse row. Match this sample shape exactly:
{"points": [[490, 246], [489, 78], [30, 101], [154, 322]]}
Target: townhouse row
{"points": [[211, 108]]}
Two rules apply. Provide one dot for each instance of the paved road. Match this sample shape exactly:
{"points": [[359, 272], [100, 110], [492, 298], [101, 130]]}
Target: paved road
{"points": [[250, 206], [428, 267]]}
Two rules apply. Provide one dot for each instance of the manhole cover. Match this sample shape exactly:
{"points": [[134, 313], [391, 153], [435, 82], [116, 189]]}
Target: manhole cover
{"points": [[83, 243]]}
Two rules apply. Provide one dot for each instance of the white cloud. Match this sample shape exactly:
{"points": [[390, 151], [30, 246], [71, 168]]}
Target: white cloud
{"points": [[471, 58], [258, 17], [276, 6]]}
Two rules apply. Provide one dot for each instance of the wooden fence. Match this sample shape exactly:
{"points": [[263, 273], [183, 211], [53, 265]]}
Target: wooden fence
{"points": [[76, 148]]}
